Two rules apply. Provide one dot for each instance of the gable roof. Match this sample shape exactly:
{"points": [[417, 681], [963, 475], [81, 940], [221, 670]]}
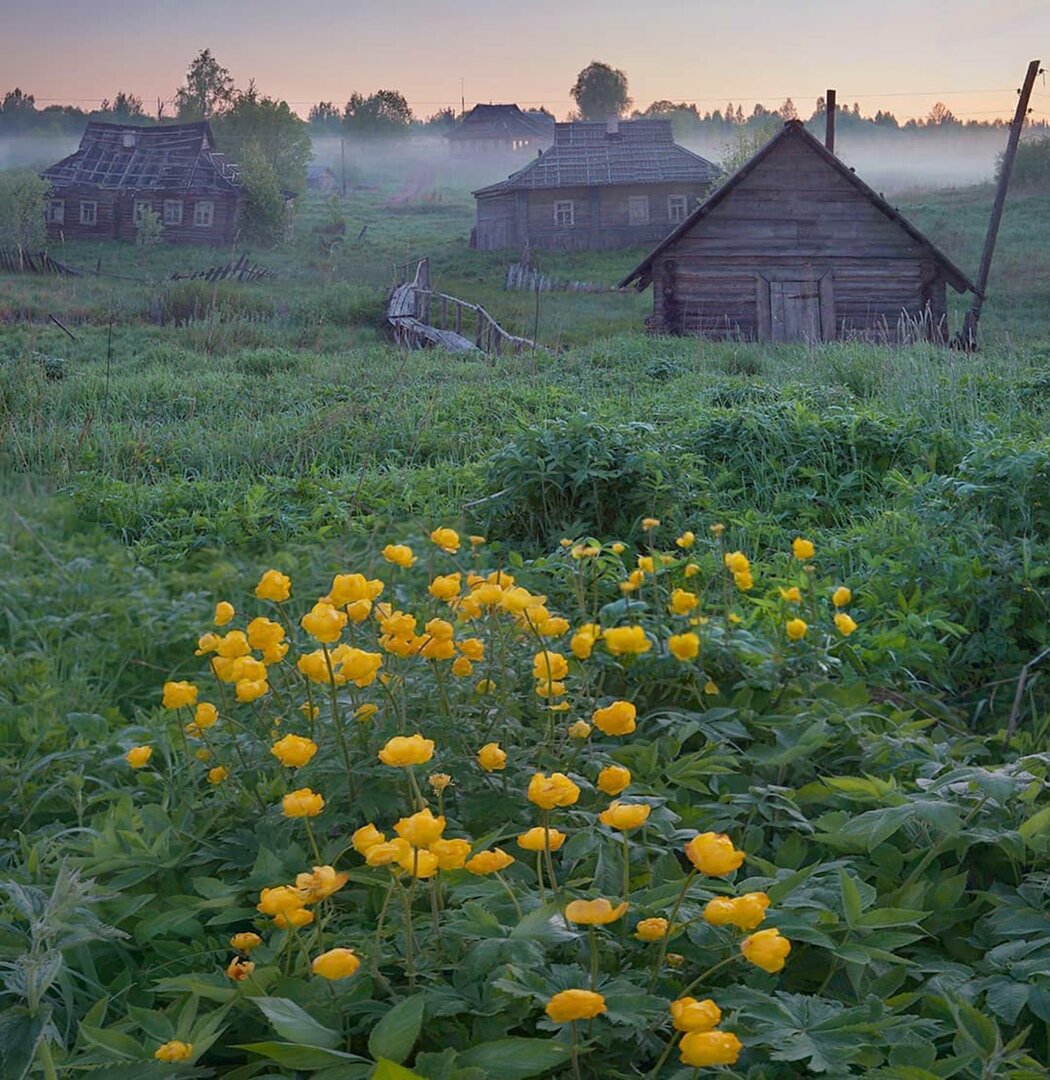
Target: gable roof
{"points": [[794, 129], [502, 122], [591, 154], [162, 157]]}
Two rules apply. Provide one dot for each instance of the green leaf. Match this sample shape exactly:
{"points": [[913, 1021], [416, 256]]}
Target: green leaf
{"points": [[295, 1024], [19, 1035], [390, 1070], [307, 1058], [851, 902], [883, 917], [978, 1028], [395, 1035], [115, 1042], [1038, 825], [515, 1059]]}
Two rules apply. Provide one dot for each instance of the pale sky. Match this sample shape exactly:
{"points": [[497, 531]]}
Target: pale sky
{"points": [[900, 55]]}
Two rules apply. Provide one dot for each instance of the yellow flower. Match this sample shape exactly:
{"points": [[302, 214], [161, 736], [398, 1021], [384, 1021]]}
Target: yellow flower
{"points": [[439, 781], [711, 688], [579, 730], [766, 949], [294, 750], [683, 601], [594, 912], [366, 838], [534, 840], [364, 713], [419, 862], [844, 624], [399, 554], [548, 792], [841, 596], [736, 562], [625, 816], [178, 694], [280, 900], [405, 750], [335, 964], [451, 854], [485, 686], [792, 595], [477, 541], [245, 941], [650, 523], [462, 667], [550, 689], [796, 629], [613, 779], [572, 1005], [688, 1014], [582, 642], [205, 715], [684, 646], [350, 589], [802, 549], [585, 551], [743, 580], [489, 862], [251, 689], [690, 570], [491, 758], [626, 639], [203, 754], [239, 969], [553, 626], [617, 548], [292, 920], [616, 719], [750, 910], [320, 883], [207, 643], [686, 540], [421, 829], [549, 666], [302, 803], [651, 929], [356, 665], [717, 529], [274, 585], [138, 756], [445, 586], [324, 622], [217, 774], [700, 1048], [175, 1050], [232, 644], [713, 854], [224, 613], [386, 853], [263, 633], [446, 539]]}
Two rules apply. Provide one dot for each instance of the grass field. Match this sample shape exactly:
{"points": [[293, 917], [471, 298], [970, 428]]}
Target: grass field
{"points": [[889, 789]]}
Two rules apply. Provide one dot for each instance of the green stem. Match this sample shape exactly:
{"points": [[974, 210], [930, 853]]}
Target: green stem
{"points": [[379, 925], [710, 971], [658, 966], [47, 1062], [575, 1052], [626, 868], [593, 939], [410, 968], [547, 851], [655, 1071], [413, 784], [339, 733], [313, 841], [510, 892]]}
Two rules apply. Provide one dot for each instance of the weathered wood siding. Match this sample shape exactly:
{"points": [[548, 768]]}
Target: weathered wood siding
{"points": [[795, 220]]}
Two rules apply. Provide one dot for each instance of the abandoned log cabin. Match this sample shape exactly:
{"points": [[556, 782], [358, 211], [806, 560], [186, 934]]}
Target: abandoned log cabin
{"points": [[501, 129], [321, 178], [795, 247], [599, 186], [121, 173]]}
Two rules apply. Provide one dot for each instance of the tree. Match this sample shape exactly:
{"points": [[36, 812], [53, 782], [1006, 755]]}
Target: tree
{"points": [[272, 129], [17, 111], [442, 120], [940, 116], [325, 115], [263, 215], [787, 111], [127, 106], [23, 203], [208, 90], [385, 112], [600, 92]]}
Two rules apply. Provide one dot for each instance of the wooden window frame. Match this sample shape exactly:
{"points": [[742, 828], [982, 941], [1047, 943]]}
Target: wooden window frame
{"points": [[172, 218], [88, 217], [207, 205], [638, 200], [673, 202], [139, 211], [56, 211], [559, 206]]}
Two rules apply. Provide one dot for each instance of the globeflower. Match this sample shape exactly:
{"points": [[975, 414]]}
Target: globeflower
{"points": [[714, 854], [279, 900], [407, 750], [631, 640], [274, 585], [548, 792], [293, 920], [841, 596], [386, 853], [399, 554], [224, 613], [796, 629], [683, 601], [294, 751], [686, 540], [579, 730], [217, 774], [651, 929], [335, 964], [239, 969], [491, 758], [792, 595], [321, 883], [844, 624], [535, 840], [263, 633], [571, 1005], [767, 949], [356, 665], [446, 586], [736, 562], [616, 719], [688, 1014], [802, 549], [489, 862], [446, 539], [366, 838], [421, 829], [324, 622], [439, 781], [582, 642], [613, 779], [625, 816], [419, 862], [451, 854], [684, 646], [248, 690], [178, 694], [205, 715], [700, 1048], [175, 1050], [594, 912], [549, 666], [138, 756], [245, 941], [302, 803]]}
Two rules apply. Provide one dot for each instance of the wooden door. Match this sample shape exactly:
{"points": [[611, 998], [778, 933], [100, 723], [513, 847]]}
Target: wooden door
{"points": [[794, 310]]}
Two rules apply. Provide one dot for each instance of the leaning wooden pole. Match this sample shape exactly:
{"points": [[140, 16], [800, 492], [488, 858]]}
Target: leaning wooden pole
{"points": [[973, 316], [829, 121]]}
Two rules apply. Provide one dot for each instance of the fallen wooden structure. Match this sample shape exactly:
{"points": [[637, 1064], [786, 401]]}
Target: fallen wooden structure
{"points": [[420, 317], [13, 261], [241, 270], [529, 279]]}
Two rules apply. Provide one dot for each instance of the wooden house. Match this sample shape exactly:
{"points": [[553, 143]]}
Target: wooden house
{"points": [[501, 129], [321, 178], [601, 185], [795, 247], [122, 172]]}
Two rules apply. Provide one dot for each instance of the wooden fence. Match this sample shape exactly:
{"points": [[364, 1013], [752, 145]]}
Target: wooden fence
{"points": [[13, 261], [241, 270], [529, 279]]}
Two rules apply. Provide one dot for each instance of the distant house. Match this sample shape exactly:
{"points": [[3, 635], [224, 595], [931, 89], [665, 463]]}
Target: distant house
{"points": [[505, 129], [121, 172], [795, 247], [599, 186], [321, 178]]}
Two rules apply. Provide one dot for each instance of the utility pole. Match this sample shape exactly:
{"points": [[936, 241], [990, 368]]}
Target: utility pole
{"points": [[342, 156], [829, 126], [462, 99], [973, 316]]}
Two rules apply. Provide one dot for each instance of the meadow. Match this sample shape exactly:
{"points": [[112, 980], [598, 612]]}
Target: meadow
{"points": [[638, 624]]}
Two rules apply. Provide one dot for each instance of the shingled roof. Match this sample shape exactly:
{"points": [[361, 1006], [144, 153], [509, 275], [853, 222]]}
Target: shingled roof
{"points": [[163, 157], [502, 122], [596, 154]]}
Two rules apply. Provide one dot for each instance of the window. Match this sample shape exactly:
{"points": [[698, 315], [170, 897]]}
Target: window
{"points": [[88, 213], [56, 212], [203, 214], [677, 208], [638, 209], [565, 212], [143, 208], [172, 212]]}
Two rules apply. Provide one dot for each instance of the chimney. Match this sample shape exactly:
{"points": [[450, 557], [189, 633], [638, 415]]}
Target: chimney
{"points": [[829, 129], [130, 138], [612, 126]]}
